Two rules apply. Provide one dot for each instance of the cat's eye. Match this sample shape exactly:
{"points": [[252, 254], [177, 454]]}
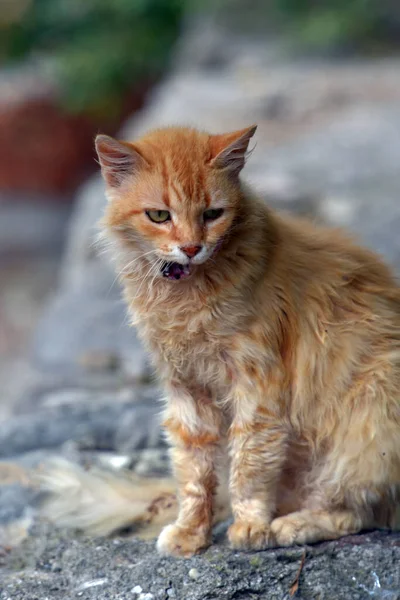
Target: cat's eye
{"points": [[158, 216], [212, 213]]}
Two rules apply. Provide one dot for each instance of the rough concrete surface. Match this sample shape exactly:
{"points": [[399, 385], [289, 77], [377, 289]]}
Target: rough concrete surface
{"points": [[55, 566]]}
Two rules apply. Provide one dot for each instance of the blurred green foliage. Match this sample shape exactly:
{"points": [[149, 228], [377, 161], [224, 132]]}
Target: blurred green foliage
{"points": [[99, 49], [334, 23], [318, 25]]}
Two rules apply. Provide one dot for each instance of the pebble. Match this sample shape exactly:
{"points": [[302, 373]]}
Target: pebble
{"points": [[93, 583], [137, 590], [194, 574]]}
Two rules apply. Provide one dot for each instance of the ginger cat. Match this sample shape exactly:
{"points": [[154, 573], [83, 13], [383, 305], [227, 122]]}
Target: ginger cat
{"points": [[277, 343]]}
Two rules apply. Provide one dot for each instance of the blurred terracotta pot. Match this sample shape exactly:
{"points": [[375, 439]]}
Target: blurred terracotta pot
{"points": [[44, 149]]}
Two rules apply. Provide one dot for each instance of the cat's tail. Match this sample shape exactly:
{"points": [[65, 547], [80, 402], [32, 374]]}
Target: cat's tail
{"points": [[101, 502]]}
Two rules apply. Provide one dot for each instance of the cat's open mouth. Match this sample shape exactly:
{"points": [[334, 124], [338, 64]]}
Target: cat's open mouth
{"points": [[175, 271]]}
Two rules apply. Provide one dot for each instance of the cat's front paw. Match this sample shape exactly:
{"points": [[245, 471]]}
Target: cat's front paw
{"points": [[248, 535], [179, 541]]}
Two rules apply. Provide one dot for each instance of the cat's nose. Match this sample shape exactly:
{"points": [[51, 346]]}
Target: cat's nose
{"points": [[191, 250]]}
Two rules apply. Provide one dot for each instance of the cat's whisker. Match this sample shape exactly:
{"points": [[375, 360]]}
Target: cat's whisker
{"points": [[156, 274], [125, 320], [130, 264], [99, 239], [127, 269], [144, 278]]}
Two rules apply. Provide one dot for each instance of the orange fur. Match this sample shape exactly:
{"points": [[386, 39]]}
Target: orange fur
{"points": [[281, 349]]}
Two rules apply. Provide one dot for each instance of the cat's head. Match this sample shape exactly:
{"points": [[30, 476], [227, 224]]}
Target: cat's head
{"points": [[173, 194]]}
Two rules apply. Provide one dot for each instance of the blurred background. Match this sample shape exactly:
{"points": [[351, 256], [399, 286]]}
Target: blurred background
{"points": [[320, 77]]}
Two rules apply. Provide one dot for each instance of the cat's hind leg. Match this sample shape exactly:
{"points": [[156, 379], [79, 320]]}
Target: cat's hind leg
{"points": [[354, 484], [354, 504], [362, 509], [309, 526]]}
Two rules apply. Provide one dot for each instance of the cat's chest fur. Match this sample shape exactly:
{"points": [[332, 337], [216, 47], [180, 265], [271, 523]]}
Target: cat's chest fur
{"points": [[190, 343]]}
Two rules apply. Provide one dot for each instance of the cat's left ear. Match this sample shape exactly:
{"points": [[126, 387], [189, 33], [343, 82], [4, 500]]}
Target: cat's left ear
{"points": [[228, 150]]}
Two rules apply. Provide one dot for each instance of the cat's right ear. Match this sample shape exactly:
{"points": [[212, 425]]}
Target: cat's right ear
{"points": [[117, 160]]}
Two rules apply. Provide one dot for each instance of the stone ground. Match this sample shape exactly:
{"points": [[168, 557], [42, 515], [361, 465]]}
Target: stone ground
{"points": [[327, 146], [57, 566]]}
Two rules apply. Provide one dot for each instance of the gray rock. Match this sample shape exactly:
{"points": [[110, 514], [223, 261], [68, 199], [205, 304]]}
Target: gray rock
{"points": [[351, 163], [86, 333], [82, 248], [53, 565], [30, 223], [95, 422], [140, 428]]}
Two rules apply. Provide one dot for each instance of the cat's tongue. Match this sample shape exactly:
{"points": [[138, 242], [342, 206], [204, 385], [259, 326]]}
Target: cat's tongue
{"points": [[173, 270]]}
